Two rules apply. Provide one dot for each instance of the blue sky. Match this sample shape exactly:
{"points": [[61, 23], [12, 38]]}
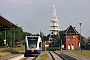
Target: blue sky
{"points": [[36, 15]]}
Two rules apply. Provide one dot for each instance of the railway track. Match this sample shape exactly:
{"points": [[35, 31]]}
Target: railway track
{"points": [[77, 56], [30, 58], [55, 56]]}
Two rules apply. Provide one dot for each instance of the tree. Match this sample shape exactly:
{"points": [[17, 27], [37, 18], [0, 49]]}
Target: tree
{"points": [[13, 36], [82, 41], [2, 38]]}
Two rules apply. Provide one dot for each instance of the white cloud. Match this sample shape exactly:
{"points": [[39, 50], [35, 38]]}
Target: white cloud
{"points": [[20, 1]]}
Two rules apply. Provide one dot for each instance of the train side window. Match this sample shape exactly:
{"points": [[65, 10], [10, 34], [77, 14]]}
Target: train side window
{"points": [[40, 44]]}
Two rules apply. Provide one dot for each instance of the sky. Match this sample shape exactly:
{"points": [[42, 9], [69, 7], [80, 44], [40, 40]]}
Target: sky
{"points": [[36, 15]]}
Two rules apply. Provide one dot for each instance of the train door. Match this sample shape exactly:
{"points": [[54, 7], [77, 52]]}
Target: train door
{"points": [[72, 47], [40, 45], [68, 46]]}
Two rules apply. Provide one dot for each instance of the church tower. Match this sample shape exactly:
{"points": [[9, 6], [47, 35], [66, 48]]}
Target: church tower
{"points": [[54, 30]]}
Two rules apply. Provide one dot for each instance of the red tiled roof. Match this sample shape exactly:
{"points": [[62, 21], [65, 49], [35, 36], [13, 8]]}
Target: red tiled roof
{"points": [[47, 42]]}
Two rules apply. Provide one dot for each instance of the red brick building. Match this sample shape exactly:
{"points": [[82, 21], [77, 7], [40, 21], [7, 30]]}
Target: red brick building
{"points": [[70, 38]]}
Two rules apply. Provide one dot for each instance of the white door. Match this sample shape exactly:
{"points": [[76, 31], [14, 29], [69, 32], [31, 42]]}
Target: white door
{"points": [[72, 46], [68, 46]]}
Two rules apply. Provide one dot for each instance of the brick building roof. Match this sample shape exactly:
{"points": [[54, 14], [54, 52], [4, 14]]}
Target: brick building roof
{"points": [[71, 30]]}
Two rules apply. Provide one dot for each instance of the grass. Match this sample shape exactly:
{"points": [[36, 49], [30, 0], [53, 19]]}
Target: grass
{"points": [[4, 54], [84, 52], [19, 49], [8, 51], [44, 56]]}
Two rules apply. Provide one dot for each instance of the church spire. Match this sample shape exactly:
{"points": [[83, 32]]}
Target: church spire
{"points": [[54, 13], [54, 23], [54, 27]]}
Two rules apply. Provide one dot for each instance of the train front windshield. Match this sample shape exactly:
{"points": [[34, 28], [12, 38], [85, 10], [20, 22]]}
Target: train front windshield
{"points": [[32, 42]]}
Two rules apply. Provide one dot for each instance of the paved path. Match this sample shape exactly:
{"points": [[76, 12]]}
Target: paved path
{"points": [[12, 57]]}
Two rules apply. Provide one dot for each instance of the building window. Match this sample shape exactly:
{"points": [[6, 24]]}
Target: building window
{"points": [[67, 36], [73, 36]]}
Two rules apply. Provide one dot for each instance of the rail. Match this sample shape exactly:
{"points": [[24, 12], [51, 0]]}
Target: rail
{"points": [[51, 56], [64, 56]]}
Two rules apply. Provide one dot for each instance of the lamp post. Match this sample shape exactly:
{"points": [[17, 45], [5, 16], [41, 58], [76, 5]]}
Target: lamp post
{"points": [[80, 36]]}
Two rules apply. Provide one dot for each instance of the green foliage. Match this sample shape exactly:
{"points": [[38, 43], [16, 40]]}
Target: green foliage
{"points": [[2, 38], [82, 41], [56, 41], [13, 36], [44, 38]]}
